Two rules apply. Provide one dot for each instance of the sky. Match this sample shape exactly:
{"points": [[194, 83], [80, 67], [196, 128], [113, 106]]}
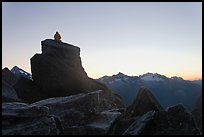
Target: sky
{"points": [[132, 38]]}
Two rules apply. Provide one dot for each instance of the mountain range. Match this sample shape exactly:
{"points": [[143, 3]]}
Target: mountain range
{"points": [[168, 91]]}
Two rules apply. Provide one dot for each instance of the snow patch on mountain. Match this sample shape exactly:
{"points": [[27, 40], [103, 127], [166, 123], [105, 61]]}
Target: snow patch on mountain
{"points": [[151, 77]]}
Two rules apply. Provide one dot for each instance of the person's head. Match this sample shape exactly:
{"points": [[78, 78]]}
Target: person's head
{"points": [[56, 31]]}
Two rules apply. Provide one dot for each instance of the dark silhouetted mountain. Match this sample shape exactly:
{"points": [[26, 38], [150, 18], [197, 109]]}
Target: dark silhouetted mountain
{"points": [[58, 70], [168, 91], [143, 103]]}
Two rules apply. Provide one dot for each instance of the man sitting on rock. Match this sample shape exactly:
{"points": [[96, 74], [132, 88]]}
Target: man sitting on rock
{"points": [[57, 36]]}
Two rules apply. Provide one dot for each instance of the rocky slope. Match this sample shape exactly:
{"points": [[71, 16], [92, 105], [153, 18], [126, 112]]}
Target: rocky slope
{"points": [[85, 113]]}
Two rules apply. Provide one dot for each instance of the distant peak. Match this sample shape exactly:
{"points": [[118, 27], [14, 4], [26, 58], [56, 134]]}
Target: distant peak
{"points": [[15, 67], [120, 73]]}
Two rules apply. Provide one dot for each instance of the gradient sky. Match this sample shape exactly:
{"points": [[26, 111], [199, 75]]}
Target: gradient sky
{"points": [[132, 38]]}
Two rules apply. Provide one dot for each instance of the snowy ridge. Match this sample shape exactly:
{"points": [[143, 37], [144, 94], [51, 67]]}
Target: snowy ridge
{"points": [[151, 77]]}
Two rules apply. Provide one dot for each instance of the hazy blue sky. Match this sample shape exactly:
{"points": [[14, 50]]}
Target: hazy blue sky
{"points": [[132, 38]]}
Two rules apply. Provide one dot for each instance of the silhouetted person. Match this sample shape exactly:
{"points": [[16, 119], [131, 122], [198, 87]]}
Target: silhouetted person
{"points": [[57, 36]]}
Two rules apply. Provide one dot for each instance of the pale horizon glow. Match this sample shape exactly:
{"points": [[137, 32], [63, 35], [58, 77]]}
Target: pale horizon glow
{"points": [[132, 38]]}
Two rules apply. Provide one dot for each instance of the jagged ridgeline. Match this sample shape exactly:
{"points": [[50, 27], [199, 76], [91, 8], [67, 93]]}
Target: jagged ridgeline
{"points": [[60, 99]]}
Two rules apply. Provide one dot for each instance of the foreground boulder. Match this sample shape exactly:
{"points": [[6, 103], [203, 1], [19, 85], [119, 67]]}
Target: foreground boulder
{"points": [[175, 120], [139, 124], [22, 119], [58, 70]]}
